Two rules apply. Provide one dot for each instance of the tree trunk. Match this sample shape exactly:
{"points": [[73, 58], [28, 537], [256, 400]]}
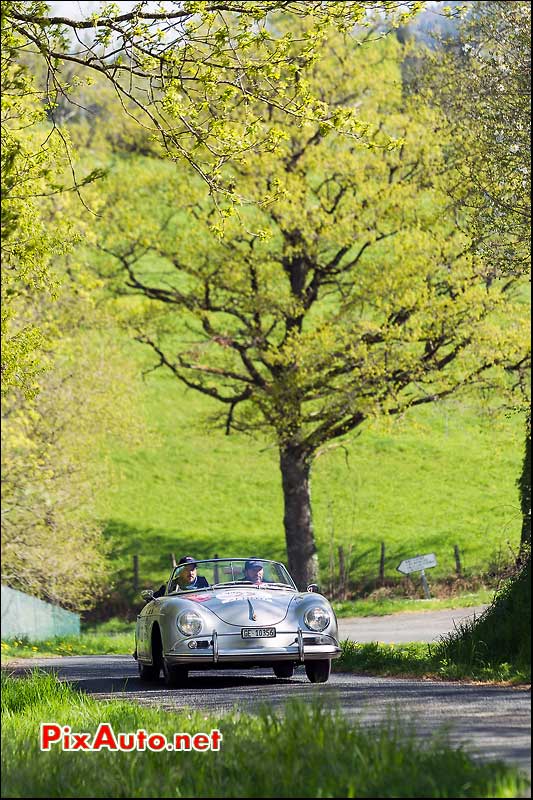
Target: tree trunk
{"points": [[295, 467]]}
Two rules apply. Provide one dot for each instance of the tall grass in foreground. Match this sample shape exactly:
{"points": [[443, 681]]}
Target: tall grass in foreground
{"points": [[310, 751]]}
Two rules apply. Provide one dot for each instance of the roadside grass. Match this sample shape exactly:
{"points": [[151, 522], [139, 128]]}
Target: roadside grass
{"points": [[417, 659], [308, 751], [87, 644], [116, 636], [438, 660], [113, 627], [422, 660], [502, 635], [495, 647]]}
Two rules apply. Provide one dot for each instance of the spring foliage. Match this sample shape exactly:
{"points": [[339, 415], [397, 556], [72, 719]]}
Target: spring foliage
{"points": [[198, 75], [53, 417], [352, 293]]}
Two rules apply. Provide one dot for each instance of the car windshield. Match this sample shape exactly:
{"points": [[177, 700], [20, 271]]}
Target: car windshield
{"points": [[228, 572]]}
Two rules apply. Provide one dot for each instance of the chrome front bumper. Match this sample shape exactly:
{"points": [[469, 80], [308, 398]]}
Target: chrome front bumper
{"points": [[303, 647]]}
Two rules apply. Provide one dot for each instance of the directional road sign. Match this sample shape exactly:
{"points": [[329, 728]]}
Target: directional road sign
{"points": [[418, 563]]}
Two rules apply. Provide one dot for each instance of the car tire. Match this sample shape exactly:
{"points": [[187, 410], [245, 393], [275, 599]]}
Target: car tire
{"points": [[148, 672], [283, 669], [318, 671], [174, 677]]}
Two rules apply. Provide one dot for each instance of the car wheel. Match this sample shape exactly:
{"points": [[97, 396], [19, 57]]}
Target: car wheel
{"points": [[148, 672], [284, 669], [318, 671], [174, 676]]}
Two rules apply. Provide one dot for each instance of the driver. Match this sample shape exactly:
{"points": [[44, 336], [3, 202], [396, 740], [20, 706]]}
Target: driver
{"points": [[188, 577], [253, 571]]}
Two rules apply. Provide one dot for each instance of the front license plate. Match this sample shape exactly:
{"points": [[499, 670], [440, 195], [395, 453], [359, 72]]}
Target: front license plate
{"points": [[258, 633]]}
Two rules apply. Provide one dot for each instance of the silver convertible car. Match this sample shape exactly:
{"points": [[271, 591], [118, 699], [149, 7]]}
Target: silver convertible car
{"points": [[235, 613]]}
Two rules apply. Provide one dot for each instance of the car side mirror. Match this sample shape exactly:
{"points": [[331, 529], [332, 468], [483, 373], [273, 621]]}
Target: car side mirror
{"points": [[147, 594], [313, 587]]}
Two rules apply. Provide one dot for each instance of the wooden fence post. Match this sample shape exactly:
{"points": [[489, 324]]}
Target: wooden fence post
{"points": [[135, 573], [458, 567], [173, 560], [331, 572], [342, 574], [382, 564], [348, 570]]}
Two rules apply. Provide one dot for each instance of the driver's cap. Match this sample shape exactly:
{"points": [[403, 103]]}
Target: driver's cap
{"points": [[253, 564], [187, 560]]}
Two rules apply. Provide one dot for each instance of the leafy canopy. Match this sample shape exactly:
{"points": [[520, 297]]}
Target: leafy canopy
{"points": [[351, 293], [201, 75]]}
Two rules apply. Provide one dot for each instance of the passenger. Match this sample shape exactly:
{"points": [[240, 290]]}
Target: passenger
{"points": [[254, 572]]}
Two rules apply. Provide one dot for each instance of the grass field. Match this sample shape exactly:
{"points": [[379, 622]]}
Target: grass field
{"points": [[442, 476], [310, 751]]}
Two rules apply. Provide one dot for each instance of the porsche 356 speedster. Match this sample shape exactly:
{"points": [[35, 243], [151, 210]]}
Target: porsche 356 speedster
{"points": [[236, 613]]}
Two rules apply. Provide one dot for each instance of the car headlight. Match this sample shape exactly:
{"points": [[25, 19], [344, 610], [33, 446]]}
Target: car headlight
{"points": [[189, 623], [316, 618]]}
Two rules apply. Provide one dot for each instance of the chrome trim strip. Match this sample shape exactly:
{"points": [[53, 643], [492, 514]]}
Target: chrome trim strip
{"points": [[215, 646]]}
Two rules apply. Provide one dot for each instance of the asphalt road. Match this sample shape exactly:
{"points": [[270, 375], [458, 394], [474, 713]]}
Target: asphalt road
{"points": [[492, 722]]}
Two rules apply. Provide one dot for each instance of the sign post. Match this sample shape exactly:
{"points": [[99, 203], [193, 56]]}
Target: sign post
{"points": [[425, 585], [419, 564]]}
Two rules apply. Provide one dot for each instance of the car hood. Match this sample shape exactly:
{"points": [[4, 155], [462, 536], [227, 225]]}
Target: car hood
{"points": [[246, 607]]}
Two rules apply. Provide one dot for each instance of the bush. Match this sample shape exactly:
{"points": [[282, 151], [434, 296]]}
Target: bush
{"points": [[503, 633]]}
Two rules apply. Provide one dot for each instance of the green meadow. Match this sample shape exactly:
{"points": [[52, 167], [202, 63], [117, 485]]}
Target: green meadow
{"points": [[441, 476]]}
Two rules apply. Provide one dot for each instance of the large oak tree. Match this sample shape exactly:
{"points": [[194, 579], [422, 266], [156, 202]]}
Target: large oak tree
{"points": [[198, 75], [352, 293]]}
